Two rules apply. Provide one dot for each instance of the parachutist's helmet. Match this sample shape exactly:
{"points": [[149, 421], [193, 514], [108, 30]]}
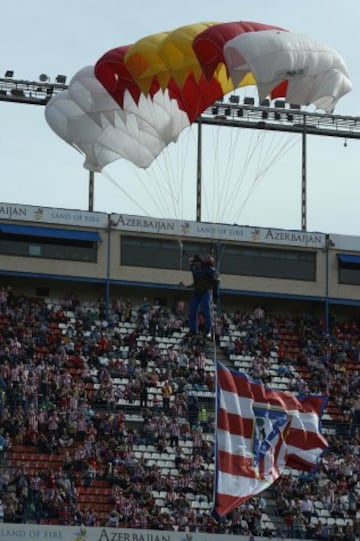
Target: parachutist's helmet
{"points": [[196, 258]]}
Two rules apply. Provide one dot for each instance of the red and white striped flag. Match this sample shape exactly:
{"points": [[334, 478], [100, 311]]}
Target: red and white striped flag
{"points": [[259, 432]]}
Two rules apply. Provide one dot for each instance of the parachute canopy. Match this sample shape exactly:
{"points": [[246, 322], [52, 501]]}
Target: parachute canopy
{"points": [[138, 98]]}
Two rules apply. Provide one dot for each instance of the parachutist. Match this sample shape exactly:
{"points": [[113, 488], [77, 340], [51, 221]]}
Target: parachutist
{"points": [[205, 289]]}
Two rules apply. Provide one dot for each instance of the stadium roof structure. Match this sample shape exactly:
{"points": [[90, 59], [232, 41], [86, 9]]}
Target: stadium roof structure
{"points": [[275, 115]]}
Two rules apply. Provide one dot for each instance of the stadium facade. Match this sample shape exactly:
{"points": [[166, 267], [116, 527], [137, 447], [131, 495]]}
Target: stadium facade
{"points": [[49, 252]]}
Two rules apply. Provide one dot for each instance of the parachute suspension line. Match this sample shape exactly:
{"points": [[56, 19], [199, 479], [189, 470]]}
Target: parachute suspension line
{"points": [[233, 152], [148, 184], [160, 181], [214, 316], [232, 185], [218, 253], [111, 179], [160, 185], [165, 167], [214, 193], [187, 141], [221, 173], [190, 146], [220, 166], [176, 176], [286, 147], [253, 148], [181, 253], [170, 168], [254, 185], [154, 190], [188, 175], [151, 185], [161, 172], [215, 168], [276, 155], [268, 156], [240, 180]]}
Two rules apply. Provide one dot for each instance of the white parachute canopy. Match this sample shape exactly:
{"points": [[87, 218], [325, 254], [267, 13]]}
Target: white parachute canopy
{"points": [[89, 119], [137, 99], [315, 73]]}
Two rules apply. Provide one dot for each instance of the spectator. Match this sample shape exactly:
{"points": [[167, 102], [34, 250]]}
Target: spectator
{"points": [[33, 378], [355, 417], [307, 508], [144, 393], [166, 395]]}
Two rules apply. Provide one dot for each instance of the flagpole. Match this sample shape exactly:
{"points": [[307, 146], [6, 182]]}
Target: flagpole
{"points": [[214, 321], [214, 315]]}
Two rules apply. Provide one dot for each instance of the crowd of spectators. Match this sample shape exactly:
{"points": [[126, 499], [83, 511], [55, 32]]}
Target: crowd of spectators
{"points": [[58, 395]]}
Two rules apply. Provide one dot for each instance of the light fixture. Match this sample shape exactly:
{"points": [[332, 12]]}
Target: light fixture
{"points": [[17, 92], [265, 103], [279, 104], [9, 73], [61, 79], [249, 101], [44, 78], [234, 99]]}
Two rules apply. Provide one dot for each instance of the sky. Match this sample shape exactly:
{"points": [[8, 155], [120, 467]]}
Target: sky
{"points": [[248, 177]]}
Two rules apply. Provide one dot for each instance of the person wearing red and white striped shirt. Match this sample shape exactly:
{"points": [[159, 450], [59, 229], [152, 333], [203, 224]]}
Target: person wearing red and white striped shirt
{"points": [[171, 497], [15, 374], [119, 497], [179, 406], [143, 520], [174, 433], [42, 419], [185, 483], [81, 428], [32, 420], [36, 483], [127, 508], [135, 522], [200, 360], [197, 438], [161, 425]]}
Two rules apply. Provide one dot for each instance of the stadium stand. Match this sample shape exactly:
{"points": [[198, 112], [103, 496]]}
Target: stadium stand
{"points": [[106, 404], [88, 436]]}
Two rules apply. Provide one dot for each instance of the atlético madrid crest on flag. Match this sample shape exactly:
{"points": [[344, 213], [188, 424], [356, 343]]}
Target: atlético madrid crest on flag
{"points": [[269, 424], [259, 432]]}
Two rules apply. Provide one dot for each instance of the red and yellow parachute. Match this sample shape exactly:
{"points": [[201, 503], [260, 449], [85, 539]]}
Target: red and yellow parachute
{"points": [[138, 98]]}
